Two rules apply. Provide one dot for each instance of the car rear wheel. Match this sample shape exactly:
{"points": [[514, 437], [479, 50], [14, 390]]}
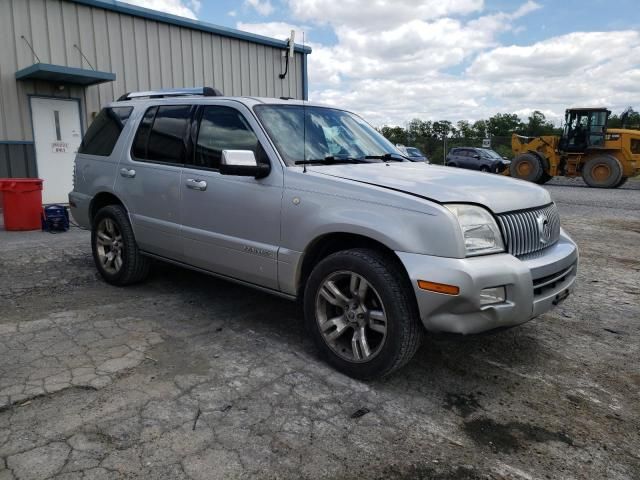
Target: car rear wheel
{"points": [[114, 248], [602, 171], [361, 313]]}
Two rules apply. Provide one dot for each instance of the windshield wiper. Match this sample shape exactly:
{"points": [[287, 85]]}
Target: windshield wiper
{"points": [[330, 160], [386, 157]]}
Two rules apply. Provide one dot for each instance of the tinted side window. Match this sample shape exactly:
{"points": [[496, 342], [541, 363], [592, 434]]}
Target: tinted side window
{"points": [[223, 128], [102, 135], [162, 133], [142, 135]]}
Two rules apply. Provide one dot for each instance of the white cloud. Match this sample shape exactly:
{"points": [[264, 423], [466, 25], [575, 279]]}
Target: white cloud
{"points": [[392, 61], [372, 15], [407, 49], [188, 8], [280, 30], [560, 56], [232, 13], [263, 7], [578, 69]]}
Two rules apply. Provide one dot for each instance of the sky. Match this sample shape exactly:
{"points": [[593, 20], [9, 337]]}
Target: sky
{"points": [[395, 60]]}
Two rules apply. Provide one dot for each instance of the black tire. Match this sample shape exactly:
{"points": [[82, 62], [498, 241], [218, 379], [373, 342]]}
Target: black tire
{"points": [[602, 171], [404, 330], [527, 166], [134, 266], [451, 165], [544, 179], [622, 181]]}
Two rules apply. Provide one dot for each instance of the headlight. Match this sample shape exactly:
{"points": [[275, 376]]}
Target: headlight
{"points": [[479, 230]]}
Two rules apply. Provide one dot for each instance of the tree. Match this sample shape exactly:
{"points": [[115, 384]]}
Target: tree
{"points": [[394, 134], [538, 125], [503, 124], [479, 129], [629, 117], [419, 129], [465, 130], [442, 128]]}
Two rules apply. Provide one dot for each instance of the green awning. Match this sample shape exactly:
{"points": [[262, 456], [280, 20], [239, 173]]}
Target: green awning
{"points": [[62, 74]]}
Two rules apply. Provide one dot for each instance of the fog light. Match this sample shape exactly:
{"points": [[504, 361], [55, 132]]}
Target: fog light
{"points": [[490, 296]]}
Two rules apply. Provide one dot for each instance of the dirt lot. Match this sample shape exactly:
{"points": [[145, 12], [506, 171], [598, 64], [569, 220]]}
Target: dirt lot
{"points": [[186, 376]]}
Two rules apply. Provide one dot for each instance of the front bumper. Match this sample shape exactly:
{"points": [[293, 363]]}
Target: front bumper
{"points": [[534, 285]]}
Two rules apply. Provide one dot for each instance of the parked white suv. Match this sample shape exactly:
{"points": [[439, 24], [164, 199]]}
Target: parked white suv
{"points": [[310, 202]]}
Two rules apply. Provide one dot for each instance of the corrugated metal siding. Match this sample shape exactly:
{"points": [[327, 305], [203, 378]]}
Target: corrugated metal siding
{"points": [[17, 160], [142, 53]]}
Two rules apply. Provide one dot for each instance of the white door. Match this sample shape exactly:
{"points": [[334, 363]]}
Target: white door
{"points": [[57, 136]]}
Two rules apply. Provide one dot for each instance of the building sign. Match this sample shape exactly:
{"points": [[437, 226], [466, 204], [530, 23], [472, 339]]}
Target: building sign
{"points": [[486, 143], [59, 147]]}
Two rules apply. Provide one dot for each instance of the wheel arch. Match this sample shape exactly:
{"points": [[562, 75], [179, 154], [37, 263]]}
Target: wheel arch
{"points": [[102, 199], [328, 243]]}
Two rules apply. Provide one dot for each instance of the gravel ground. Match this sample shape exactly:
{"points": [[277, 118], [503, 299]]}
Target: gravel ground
{"points": [[190, 377]]}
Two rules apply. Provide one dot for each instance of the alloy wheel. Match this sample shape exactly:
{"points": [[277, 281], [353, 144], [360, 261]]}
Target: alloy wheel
{"points": [[351, 317], [109, 245]]}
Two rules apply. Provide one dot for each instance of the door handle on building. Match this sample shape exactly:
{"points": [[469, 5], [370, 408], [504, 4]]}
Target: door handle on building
{"points": [[125, 172], [194, 184]]}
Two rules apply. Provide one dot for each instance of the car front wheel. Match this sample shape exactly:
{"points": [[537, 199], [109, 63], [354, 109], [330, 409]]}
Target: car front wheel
{"points": [[361, 313]]}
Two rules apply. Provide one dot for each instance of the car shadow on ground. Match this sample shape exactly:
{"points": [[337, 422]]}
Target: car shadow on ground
{"points": [[441, 356]]}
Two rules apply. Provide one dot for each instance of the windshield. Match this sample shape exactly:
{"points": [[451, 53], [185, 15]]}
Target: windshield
{"points": [[329, 133], [490, 153], [414, 152]]}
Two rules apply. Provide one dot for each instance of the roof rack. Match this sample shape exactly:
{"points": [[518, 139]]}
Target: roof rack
{"points": [[172, 92]]}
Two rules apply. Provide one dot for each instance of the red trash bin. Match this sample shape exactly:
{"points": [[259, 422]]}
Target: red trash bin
{"points": [[22, 203]]}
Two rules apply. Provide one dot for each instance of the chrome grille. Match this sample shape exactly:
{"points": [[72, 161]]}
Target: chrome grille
{"points": [[522, 232]]}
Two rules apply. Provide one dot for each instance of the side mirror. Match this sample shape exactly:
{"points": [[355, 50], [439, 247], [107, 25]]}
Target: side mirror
{"points": [[476, 156], [242, 163]]}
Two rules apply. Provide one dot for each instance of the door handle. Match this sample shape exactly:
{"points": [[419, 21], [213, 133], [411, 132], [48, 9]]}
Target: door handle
{"points": [[125, 172], [194, 184]]}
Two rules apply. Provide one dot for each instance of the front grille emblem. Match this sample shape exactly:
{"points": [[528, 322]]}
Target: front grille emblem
{"points": [[544, 228]]}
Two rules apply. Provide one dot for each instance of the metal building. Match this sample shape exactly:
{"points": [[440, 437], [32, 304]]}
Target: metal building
{"points": [[61, 60]]}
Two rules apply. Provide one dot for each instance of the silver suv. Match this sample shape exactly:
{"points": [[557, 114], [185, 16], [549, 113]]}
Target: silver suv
{"points": [[311, 203]]}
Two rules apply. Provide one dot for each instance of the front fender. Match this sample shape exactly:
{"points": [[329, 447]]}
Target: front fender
{"points": [[400, 221]]}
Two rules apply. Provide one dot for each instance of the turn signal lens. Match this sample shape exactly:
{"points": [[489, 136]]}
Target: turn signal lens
{"points": [[438, 287]]}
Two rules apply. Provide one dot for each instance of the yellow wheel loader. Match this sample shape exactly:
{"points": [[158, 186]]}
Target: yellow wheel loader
{"points": [[603, 157]]}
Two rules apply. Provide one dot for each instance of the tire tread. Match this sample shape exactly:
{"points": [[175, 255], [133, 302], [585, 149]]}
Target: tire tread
{"points": [[135, 265], [411, 330]]}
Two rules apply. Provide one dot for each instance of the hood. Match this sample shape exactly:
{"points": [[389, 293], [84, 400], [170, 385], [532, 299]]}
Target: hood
{"points": [[444, 184]]}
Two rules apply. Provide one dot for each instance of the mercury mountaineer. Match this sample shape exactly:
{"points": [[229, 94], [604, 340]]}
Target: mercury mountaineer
{"points": [[312, 203]]}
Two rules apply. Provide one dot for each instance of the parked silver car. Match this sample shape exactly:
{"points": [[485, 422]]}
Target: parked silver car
{"points": [[311, 203], [412, 153]]}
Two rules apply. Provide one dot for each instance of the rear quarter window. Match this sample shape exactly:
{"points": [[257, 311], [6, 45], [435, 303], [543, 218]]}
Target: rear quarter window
{"points": [[102, 135], [161, 136], [635, 146]]}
